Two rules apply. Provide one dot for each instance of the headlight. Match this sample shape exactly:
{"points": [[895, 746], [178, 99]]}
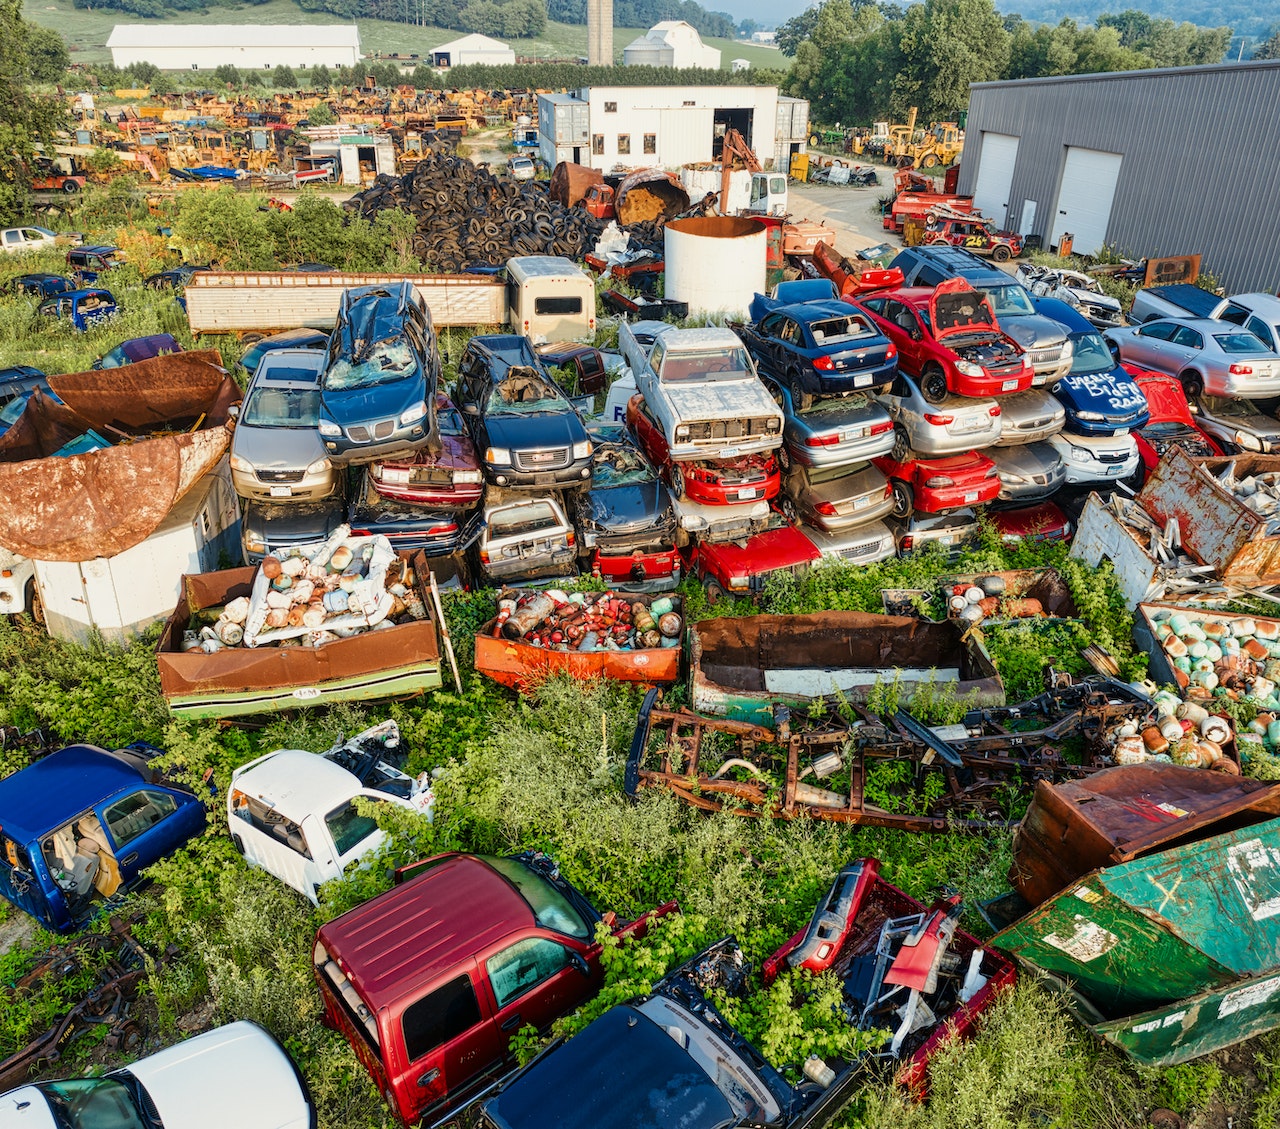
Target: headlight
{"points": [[1247, 442], [739, 583], [1068, 350], [1080, 455], [461, 476], [254, 544], [499, 455], [413, 413], [682, 432], [1098, 416], [968, 368], [244, 466], [328, 427], [582, 450], [319, 466]]}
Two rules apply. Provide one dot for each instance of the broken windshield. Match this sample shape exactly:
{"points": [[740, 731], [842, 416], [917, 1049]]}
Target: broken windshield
{"points": [[617, 464], [523, 392], [381, 362]]}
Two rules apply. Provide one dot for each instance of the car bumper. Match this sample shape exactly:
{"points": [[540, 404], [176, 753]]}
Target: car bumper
{"points": [[311, 489], [835, 523], [848, 451], [1245, 387], [1046, 372], [519, 572], [640, 572], [706, 494], [1096, 472], [1027, 491], [982, 386], [938, 441], [575, 474], [401, 444], [1013, 437], [854, 380], [956, 497], [459, 497], [723, 448]]}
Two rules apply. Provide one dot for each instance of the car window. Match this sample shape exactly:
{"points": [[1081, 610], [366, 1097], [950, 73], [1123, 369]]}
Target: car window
{"points": [[1236, 343], [91, 1103], [928, 276], [1237, 315], [619, 464], [558, 304], [282, 407], [877, 304], [136, 813], [524, 965], [839, 329], [1160, 330], [1261, 330], [439, 1017], [720, 363], [382, 363], [450, 422], [348, 827], [523, 392], [771, 326], [1011, 299], [550, 907], [1188, 338], [518, 521]]}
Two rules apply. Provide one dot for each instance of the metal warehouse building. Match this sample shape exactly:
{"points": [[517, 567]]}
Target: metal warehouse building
{"points": [[199, 47], [1160, 162]]}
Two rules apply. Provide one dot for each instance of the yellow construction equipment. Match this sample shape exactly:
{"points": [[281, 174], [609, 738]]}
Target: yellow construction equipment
{"points": [[942, 145]]}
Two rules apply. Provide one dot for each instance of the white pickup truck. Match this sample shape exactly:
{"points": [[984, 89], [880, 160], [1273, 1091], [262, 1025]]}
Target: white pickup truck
{"points": [[22, 240], [293, 813], [702, 388]]}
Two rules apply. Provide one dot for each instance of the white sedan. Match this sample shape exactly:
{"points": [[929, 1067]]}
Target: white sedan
{"points": [[1096, 458]]}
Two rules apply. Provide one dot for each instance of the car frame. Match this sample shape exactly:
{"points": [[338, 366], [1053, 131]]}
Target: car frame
{"points": [[1028, 472], [74, 306], [1096, 459], [1237, 425], [741, 566], [409, 526], [138, 349], [1169, 423], [1098, 394], [943, 428], [272, 527], [1029, 417], [862, 545]]}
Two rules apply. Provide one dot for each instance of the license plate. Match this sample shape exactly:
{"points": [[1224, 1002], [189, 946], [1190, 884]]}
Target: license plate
{"points": [[1008, 386], [971, 496], [540, 456], [281, 492], [1115, 469], [862, 381], [861, 503], [967, 425], [949, 539], [728, 452], [851, 433], [750, 493]]}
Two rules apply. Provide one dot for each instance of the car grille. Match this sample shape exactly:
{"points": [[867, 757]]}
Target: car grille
{"points": [[857, 552], [729, 428], [749, 477], [1033, 425], [1112, 456], [546, 458], [1101, 313], [1048, 356], [280, 475], [383, 429]]}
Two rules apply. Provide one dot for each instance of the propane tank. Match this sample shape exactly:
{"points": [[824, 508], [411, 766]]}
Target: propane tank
{"points": [[526, 617]]}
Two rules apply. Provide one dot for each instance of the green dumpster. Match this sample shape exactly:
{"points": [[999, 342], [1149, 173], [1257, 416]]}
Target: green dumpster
{"points": [[1169, 956]]}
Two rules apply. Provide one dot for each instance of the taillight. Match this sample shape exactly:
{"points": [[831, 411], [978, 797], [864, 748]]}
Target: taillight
{"points": [[1241, 370], [881, 428], [823, 364], [824, 440], [825, 508], [568, 537], [995, 411], [992, 472], [450, 527], [888, 490], [937, 420], [484, 556], [907, 542], [891, 352], [938, 481]]}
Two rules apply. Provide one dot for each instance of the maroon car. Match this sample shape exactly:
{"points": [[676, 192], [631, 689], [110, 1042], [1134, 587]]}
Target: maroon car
{"points": [[452, 478], [1042, 522]]}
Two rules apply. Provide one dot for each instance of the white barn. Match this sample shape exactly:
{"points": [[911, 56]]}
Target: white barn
{"points": [[671, 43], [474, 48], [200, 47]]}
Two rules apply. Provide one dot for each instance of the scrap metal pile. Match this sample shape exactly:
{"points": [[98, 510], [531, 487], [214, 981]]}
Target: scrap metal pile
{"points": [[588, 621]]}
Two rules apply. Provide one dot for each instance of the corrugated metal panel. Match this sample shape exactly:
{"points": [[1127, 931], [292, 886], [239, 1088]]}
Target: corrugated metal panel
{"points": [[234, 35], [684, 135], [1197, 142]]}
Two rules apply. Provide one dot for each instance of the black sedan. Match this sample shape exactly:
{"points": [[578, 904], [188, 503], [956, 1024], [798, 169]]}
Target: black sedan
{"points": [[406, 525], [820, 349]]}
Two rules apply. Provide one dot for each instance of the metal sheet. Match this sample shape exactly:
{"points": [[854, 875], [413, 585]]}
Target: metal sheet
{"points": [[1103, 536]]}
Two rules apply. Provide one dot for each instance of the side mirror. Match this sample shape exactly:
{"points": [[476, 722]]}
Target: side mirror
{"points": [[233, 412], [579, 962]]}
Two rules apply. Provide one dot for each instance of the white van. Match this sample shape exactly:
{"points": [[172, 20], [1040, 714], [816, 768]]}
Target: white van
{"points": [[293, 813], [549, 298]]}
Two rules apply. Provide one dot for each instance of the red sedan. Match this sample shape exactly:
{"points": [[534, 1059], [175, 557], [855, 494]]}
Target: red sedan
{"points": [[949, 341], [451, 478], [1042, 522], [1170, 422], [720, 482], [934, 485]]}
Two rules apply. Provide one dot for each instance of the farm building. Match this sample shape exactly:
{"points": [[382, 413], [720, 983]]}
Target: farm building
{"points": [[1103, 158], [201, 47], [671, 43], [474, 48], [620, 127]]}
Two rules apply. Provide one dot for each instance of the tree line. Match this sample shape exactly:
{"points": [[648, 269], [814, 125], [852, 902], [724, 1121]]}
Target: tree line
{"points": [[857, 61]]}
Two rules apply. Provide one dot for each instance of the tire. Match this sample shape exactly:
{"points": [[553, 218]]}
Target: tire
{"points": [[677, 483], [789, 510], [901, 447], [930, 161], [904, 499], [935, 238], [1001, 254], [251, 338], [784, 458], [1192, 384], [715, 593], [35, 609], [800, 399], [814, 139], [238, 843], [70, 186], [933, 385]]}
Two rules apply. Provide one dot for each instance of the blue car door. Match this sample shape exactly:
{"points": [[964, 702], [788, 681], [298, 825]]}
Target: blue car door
{"points": [[145, 823]]}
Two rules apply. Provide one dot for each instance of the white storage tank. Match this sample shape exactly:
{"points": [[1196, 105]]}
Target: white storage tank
{"points": [[715, 263]]}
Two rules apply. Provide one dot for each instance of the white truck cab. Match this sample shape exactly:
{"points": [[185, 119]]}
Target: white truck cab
{"points": [[21, 240], [293, 813]]}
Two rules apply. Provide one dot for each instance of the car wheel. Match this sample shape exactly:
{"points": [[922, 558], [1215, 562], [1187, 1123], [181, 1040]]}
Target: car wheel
{"points": [[1192, 384], [715, 591], [677, 482], [901, 447], [801, 400], [904, 499], [930, 161], [70, 186], [35, 609], [1001, 254], [933, 385], [789, 511], [784, 458]]}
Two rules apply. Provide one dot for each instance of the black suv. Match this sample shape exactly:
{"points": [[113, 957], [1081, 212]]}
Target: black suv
{"points": [[526, 431], [378, 391], [1043, 339]]}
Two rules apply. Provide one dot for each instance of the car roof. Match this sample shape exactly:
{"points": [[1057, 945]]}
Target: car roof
{"points": [[1257, 303], [820, 310], [82, 294], [1205, 325], [298, 783], [94, 249], [311, 361], [395, 944], [57, 788]]}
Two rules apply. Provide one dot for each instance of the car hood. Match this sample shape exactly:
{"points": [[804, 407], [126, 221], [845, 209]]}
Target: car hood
{"points": [[547, 429], [775, 548], [457, 452], [1165, 400], [1035, 403], [956, 307], [626, 509], [294, 524], [277, 448], [1111, 393], [1093, 298], [26, 1108], [1032, 458], [347, 406], [1033, 331], [720, 399], [234, 1075]]}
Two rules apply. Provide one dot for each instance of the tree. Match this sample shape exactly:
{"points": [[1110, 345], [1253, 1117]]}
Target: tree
{"points": [[945, 45], [228, 75], [1269, 48], [48, 54], [321, 77], [284, 78], [321, 114], [26, 118], [796, 30]]}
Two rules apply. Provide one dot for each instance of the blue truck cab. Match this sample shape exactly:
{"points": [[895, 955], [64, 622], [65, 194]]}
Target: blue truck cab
{"points": [[82, 824], [81, 307]]}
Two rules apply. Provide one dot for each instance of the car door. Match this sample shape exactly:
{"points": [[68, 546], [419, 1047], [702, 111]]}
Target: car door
{"points": [[1149, 345], [767, 342], [1269, 335], [534, 980], [145, 823], [909, 336], [649, 436], [1185, 346]]}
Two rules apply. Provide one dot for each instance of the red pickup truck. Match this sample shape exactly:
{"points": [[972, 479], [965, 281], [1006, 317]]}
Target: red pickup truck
{"points": [[429, 981]]}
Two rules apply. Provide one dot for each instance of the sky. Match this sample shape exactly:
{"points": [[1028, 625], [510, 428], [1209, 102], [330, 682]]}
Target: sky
{"points": [[770, 12]]}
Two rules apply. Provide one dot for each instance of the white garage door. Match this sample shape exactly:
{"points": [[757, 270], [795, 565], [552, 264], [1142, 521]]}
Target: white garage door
{"points": [[1084, 198], [995, 176]]}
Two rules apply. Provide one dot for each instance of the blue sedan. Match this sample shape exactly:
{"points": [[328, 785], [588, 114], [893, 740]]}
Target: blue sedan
{"points": [[82, 824], [820, 349], [1098, 395]]}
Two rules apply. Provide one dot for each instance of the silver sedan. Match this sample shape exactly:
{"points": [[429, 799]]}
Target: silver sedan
{"points": [[956, 425], [1207, 356], [1237, 425], [1028, 417], [1028, 473], [835, 431]]}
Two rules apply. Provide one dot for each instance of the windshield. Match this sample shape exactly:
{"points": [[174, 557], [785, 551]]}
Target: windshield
{"points": [[705, 364], [14, 408], [282, 407], [1239, 343], [92, 1103], [551, 908], [523, 392], [616, 464], [383, 363], [1011, 299], [1091, 354], [450, 422], [1237, 409]]}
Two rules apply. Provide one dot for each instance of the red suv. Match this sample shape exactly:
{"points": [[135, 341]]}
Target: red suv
{"points": [[719, 482], [949, 341], [741, 568], [429, 981]]}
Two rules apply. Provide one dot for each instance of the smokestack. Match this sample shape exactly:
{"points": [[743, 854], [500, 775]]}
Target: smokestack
{"points": [[600, 33]]}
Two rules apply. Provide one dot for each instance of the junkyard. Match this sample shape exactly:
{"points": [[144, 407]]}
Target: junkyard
{"points": [[499, 631]]}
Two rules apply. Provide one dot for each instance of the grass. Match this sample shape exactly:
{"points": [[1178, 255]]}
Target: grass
{"points": [[86, 32]]}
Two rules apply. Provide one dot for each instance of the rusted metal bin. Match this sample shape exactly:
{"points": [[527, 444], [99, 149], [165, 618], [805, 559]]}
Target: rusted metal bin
{"points": [[1217, 528]]}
